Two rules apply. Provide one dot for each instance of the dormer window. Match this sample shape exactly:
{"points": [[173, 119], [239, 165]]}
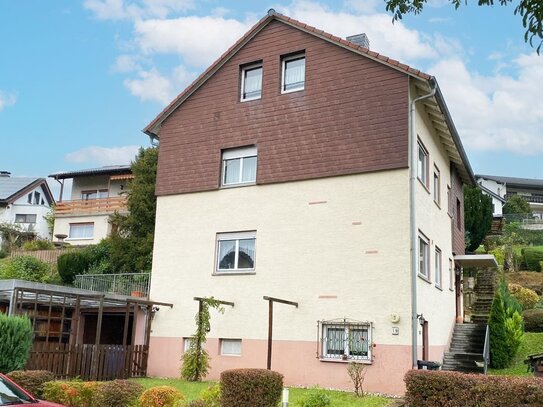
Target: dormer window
{"points": [[293, 77], [238, 166], [251, 82]]}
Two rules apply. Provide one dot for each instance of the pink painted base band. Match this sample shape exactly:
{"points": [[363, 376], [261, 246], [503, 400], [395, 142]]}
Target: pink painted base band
{"points": [[296, 360]]}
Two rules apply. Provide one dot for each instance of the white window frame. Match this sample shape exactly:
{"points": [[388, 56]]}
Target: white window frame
{"points": [[425, 272], [238, 154], [451, 275], [236, 236], [438, 267], [186, 343], [26, 215], [437, 186], [284, 61], [250, 68], [37, 197], [347, 327], [224, 341], [98, 192], [422, 165], [79, 224]]}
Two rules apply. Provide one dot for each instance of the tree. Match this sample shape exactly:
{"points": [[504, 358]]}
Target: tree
{"points": [[477, 216], [132, 241], [531, 12], [499, 351], [517, 205]]}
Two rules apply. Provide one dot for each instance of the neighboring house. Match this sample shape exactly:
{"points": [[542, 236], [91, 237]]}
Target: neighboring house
{"points": [[25, 201], [284, 172], [502, 188], [95, 195]]}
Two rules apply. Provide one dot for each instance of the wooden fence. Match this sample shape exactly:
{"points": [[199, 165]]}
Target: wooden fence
{"points": [[47, 256], [89, 362]]}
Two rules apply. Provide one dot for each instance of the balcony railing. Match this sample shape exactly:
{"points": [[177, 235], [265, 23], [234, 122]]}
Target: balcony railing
{"points": [[528, 198], [135, 284], [90, 206]]}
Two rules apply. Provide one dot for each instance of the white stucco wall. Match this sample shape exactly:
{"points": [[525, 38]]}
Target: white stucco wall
{"points": [[338, 246], [102, 228], [436, 304], [499, 189]]}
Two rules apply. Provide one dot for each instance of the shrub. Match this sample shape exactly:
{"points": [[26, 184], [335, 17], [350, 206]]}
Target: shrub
{"points": [[3, 253], [527, 298], [161, 396], [499, 254], [26, 268], [251, 387], [71, 264], [533, 320], [532, 257], [197, 403], [212, 396], [499, 354], [15, 342], [118, 393], [32, 380], [38, 244], [72, 393], [315, 398], [433, 389]]}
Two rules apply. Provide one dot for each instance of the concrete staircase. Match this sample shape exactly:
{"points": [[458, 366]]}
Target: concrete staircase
{"points": [[466, 353]]}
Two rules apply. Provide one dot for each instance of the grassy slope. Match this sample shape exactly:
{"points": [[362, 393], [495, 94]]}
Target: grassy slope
{"points": [[339, 398], [531, 343]]}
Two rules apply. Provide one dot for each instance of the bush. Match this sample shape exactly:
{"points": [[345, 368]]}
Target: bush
{"points": [[3, 253], [72, 393], [251, 387], [118, 393], [71, 264], [15, 342], [38, 244], [197, 403], [32, 380], [161, 396], [527, 298], [499, 354], [436, 389], [315, 398], [533, 320], [532, 257], [499, 254], [212, 396], [26, 268]]}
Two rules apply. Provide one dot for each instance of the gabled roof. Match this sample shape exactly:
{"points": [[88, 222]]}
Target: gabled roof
{"points": [[491, 193], [12, 188], [441, 116], [107, 170], [515, 182]]}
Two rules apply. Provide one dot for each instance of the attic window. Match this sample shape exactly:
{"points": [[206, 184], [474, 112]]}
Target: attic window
{"points": [[251, 82], [293, 78]]}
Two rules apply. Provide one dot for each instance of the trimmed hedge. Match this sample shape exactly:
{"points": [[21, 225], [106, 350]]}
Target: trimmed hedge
{"points": [[533, 256], [251, 387], [32, 380], [440, 389], [15, 342], [116, 393], [533, 320]]}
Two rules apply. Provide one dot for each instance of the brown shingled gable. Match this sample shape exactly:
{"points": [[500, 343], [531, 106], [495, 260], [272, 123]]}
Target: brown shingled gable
{"points": [[152, 128]]}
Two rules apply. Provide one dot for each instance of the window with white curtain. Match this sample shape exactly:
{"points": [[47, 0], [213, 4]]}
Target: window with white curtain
{"points": [[236, 252], [231, 347], [437, 268], [239, 166], [424, 257], [251, 82], [81, 230], [25, 218], [293, 77]]}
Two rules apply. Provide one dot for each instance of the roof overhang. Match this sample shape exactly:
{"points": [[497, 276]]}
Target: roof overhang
{"points": [[476, 260]]}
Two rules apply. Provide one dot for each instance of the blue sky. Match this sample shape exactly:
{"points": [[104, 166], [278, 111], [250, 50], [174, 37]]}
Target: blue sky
{"points": [[79, 79]]}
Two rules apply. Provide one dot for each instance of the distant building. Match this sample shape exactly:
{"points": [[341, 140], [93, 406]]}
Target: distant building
{"points": [[25, 201], [96, 194]]}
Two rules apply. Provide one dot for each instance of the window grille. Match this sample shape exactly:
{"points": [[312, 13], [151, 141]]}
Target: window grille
{"points": [[344, 339]]}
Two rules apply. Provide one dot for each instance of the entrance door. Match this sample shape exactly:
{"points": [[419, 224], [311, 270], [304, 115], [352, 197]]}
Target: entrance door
{"points": [[458, 293], [425, 344]]}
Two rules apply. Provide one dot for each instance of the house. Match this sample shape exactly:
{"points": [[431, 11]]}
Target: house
{"points": [[503, 188], [25, 201], [287, 189], [95, 195]]}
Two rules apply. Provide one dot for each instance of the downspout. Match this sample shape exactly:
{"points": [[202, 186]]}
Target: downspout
{"points": [[413, 164]]}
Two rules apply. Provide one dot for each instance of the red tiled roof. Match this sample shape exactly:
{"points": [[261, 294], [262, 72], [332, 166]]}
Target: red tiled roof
{"points": [[153, 127]]}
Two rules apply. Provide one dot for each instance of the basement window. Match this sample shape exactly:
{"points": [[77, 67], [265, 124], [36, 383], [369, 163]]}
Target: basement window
{"points": [[344, 339]]}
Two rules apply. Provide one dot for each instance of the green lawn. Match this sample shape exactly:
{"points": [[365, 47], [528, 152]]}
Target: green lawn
{"points": [[531, 343], [339, 399]]}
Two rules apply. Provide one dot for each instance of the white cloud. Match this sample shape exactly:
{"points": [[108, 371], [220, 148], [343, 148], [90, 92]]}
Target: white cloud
{"points": [[96, 155], [122, 9], [497, 112], [7, 99], [126, 64], [106, 9], [198, 40]]}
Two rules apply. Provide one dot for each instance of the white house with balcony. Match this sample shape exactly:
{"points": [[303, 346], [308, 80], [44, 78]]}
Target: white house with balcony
{"points": [[95, 195], [24, 202]]}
